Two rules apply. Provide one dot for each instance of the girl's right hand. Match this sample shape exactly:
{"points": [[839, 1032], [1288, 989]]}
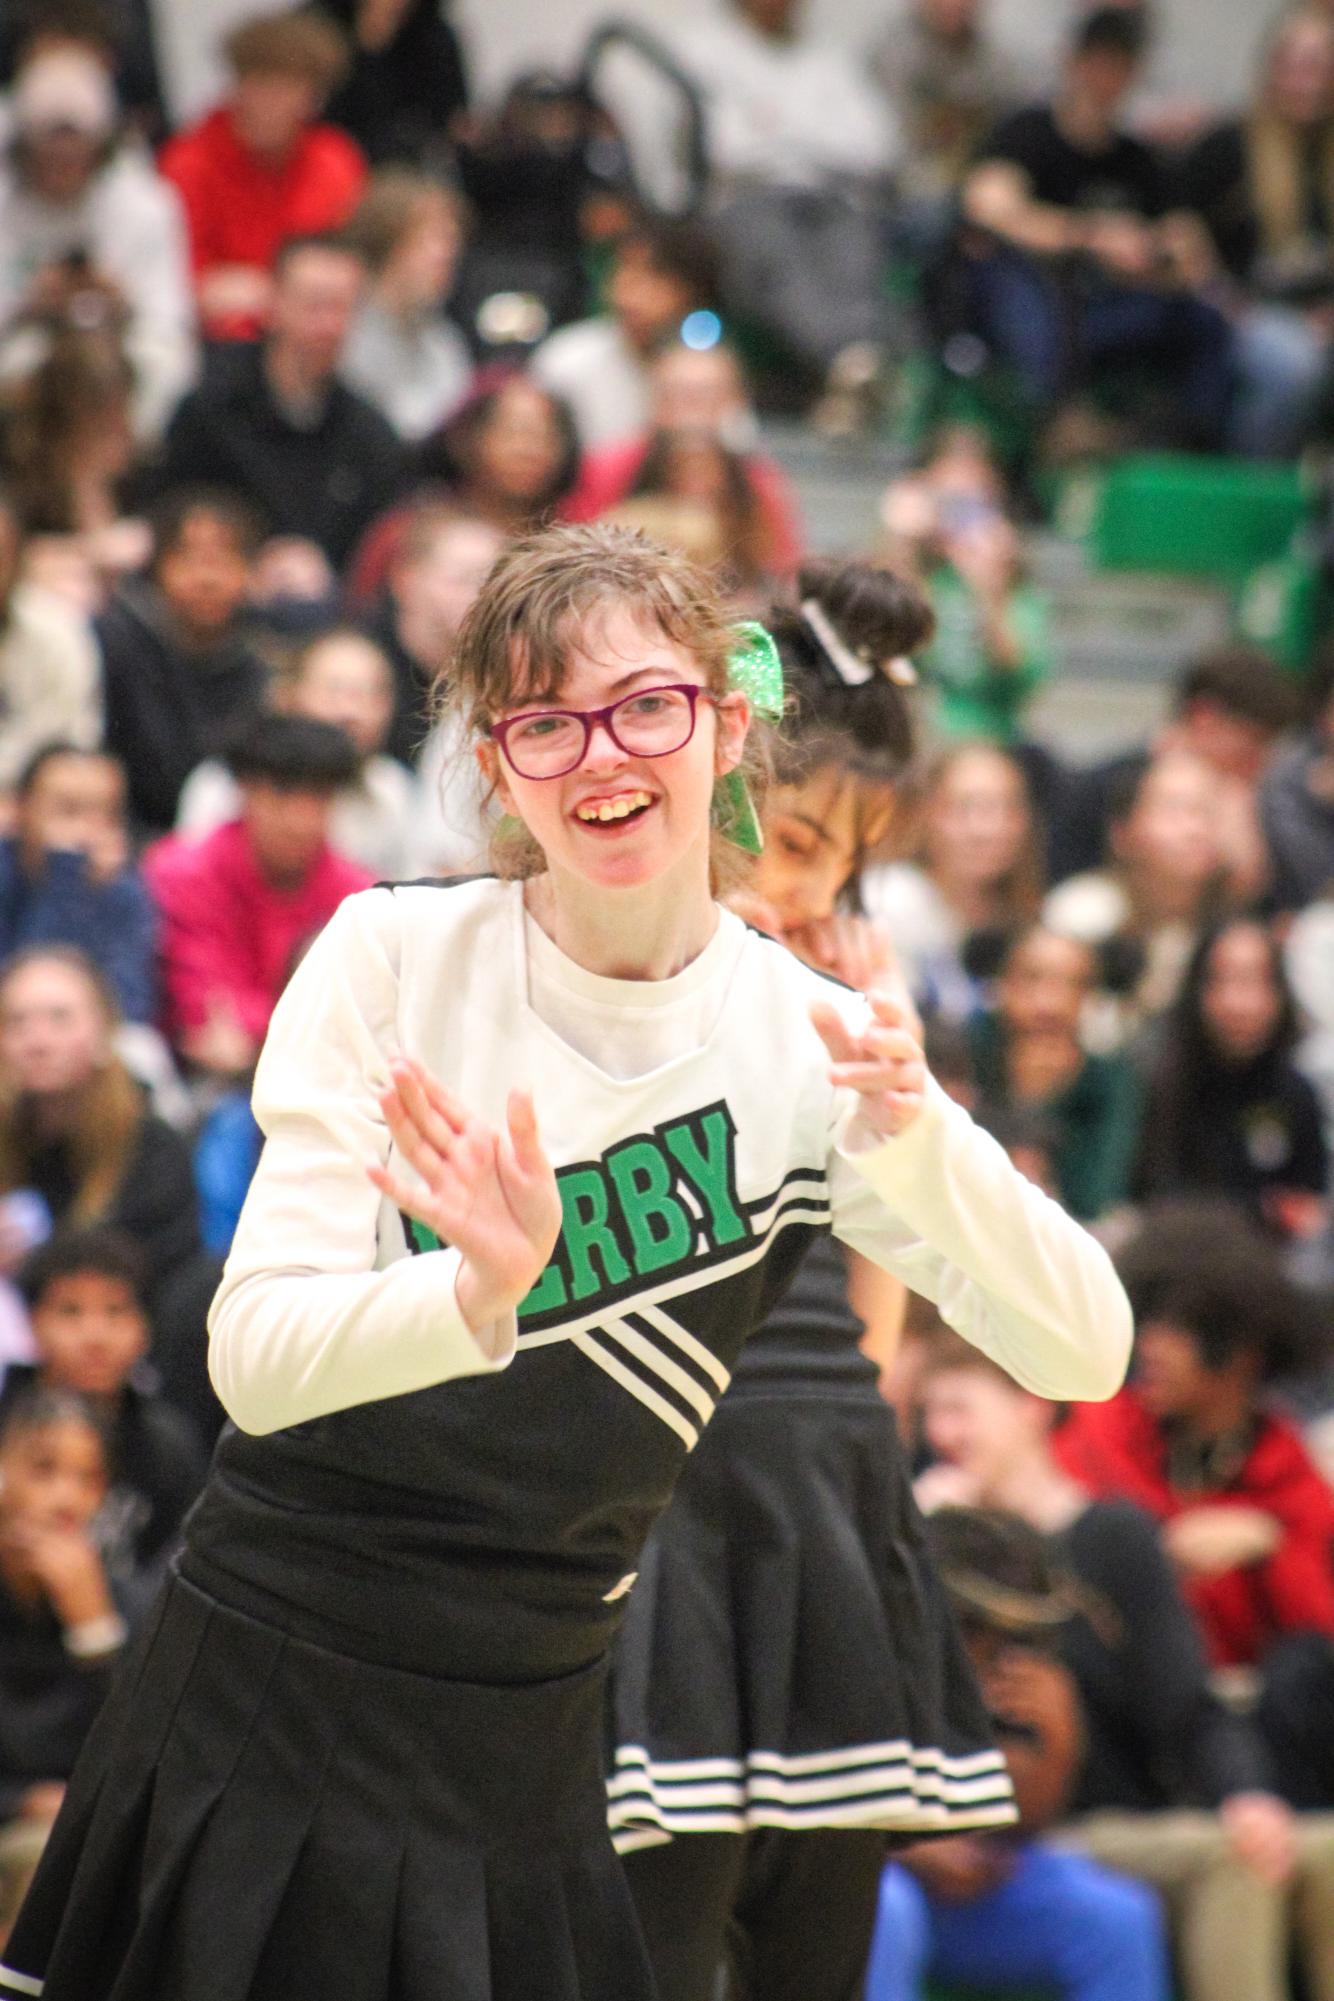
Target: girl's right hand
{"points": [[491, 1195]]}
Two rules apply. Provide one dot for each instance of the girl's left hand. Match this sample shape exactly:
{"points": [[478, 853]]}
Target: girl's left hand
{"points": [[860, 952], [884, 1064]]}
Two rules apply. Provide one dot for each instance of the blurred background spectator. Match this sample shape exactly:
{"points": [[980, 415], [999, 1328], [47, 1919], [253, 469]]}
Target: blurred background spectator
{"points": [[274, 421], [89, 233], [260, 168], [403, 354], [662, 271], [978, 870], [178, 665]]}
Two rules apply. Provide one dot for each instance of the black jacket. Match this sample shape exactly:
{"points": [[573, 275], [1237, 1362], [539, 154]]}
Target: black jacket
{"points": [[168, 707], [326, 481]]}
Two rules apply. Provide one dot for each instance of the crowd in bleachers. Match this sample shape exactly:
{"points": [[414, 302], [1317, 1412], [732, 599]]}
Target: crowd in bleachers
{"points": [[275, 390]]}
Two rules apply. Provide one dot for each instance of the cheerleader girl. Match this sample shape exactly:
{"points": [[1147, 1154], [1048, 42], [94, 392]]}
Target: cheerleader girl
{"points": [[787, 1682], [541, 1150]]}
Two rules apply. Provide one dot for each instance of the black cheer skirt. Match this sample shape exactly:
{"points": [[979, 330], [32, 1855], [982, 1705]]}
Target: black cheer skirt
{"points": [[257, 1819], [787, 1658]]}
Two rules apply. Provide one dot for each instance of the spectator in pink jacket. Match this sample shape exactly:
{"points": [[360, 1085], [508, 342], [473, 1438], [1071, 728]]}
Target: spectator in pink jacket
{"points": [[238, 906]]}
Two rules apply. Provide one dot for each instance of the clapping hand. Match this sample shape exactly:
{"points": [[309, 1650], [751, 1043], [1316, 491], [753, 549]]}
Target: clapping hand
{"points": [[883, 1064], [490, 1194]]}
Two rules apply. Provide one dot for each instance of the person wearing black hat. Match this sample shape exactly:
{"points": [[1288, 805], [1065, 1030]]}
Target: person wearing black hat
{"points": [[1010, 1910], [1174, 1786]]}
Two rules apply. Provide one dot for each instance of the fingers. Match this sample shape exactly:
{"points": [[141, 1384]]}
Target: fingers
{"points": [[834, 1032], [442, 1100], [524, 1138], [411, 1201]]}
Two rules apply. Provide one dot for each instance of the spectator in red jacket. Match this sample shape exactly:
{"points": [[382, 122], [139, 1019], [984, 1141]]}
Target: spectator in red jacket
{"points": [[260, 168], [1248, 1519], [238, 905]]}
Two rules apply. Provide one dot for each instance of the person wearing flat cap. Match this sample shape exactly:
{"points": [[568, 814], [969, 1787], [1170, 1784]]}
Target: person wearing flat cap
{"points": [[981, 1910]]}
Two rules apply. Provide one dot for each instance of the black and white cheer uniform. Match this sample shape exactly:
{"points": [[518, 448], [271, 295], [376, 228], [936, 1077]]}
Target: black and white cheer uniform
{"points": [[788, 1671], [359, 1751]]}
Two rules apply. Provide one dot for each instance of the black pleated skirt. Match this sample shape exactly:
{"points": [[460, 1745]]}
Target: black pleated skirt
{"points": [[257, 1819], [787, 1658]]}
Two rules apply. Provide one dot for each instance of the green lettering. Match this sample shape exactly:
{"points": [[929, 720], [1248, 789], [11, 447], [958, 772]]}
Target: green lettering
{"points": [[660, 1229], [702, 1147], [583, 1197], [546, 1295]]}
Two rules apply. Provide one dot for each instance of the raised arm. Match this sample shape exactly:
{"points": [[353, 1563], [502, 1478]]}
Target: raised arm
{"points": [[921, 1190], [303, 1322]]}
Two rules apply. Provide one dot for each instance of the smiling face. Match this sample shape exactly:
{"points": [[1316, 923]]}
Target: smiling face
{"points": [[619, 821], [975, 1420]]}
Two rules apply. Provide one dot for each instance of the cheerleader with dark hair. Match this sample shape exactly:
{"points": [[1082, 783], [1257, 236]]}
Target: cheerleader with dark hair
{"points": [[541, 1150], [788, 1687]]}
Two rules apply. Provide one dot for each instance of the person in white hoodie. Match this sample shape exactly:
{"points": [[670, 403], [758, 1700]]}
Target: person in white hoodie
{"points": [[87, 229]]}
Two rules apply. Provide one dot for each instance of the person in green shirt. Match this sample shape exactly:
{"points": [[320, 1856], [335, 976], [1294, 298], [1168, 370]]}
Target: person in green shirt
{"points": [[1028, 1052], [992, 648]]}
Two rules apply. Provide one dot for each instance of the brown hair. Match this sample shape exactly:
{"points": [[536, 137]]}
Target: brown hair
{"points": [[1274, 154], [1019, 893], [542, 593], [948, 1351], [304, 43], [746, 534], [83, 379], [107, 1116], [389, 210]]}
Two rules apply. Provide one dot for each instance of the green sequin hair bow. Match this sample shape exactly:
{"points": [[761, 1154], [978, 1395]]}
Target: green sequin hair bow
{"points": [[755, 671]]}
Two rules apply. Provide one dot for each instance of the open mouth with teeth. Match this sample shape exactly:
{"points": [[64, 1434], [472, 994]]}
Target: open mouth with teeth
{"points": [[608, 812]]}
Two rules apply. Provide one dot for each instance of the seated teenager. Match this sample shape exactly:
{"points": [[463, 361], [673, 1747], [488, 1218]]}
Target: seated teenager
{"points": [[276, 422], [1062, 184], [662, 269], [1029, 1051], [75, 1126], [343, 678], [1166, 878], [434, 575], [1227, 1111], [260, 167], [999, 1912], [976, 867], [694, 391], [1173, 1786], [66, 877], [61, 1630], [85, 1292], [179, 669], [1229, 707], [404, 354], [237, 904], [1195, 1439], [1261, 183]]}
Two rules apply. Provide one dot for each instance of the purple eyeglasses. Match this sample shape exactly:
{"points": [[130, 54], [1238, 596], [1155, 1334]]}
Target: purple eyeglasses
{"points": [[651, 722]]}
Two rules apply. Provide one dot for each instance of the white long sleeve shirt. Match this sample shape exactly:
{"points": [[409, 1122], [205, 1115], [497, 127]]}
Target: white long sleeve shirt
{"points": [[471, 1505], [717, 1078]]}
